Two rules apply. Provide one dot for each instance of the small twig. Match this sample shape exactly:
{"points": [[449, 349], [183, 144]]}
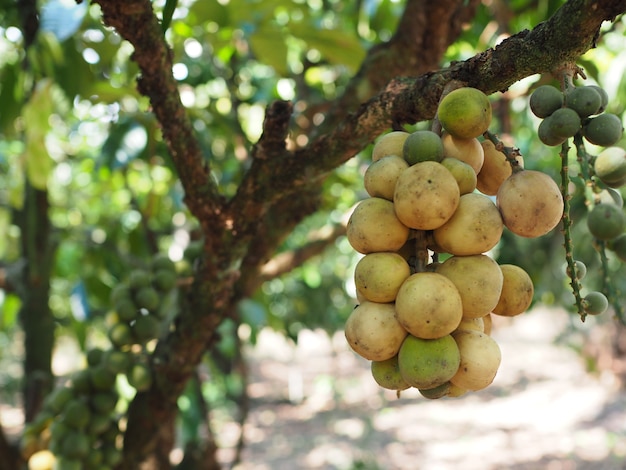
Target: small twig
{"points": [[511, 153]]}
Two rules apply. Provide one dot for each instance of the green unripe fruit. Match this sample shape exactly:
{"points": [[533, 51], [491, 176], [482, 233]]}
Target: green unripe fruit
{"points": [[610, 165], [436, 392], [126, 309], [584, 100], [59, 398], [606, 221], [94, 356], [81, 382], [102, 379], [121, 335], [595, 303], [546, 133], [162, 261], [75, 445], [619, 247], [421, 146], [65, 463], [148, 298], [139, 278], [58, 430], [117, 361], [120, 292], [76, 414], [104, 402], [112, 456], [387, 374], [605, 130], [140, 377], [564, 122], [98, 424], [611, 196], [545, 100], [146, 328], [428, 363], [164, 280], [580, 269], [94, 459], [603, 96], [465, 113]]}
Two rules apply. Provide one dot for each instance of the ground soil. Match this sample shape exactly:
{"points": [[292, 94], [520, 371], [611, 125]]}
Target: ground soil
{"points": [[315, 406]]}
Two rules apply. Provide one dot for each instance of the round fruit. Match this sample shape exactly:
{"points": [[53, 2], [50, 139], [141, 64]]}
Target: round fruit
{"points": [[104, 402], [478, 278], [467, 150], [162, 261], [148, 298], [439, 391], [530, 202], [66, 463], [606, 221], [428, 305], [121, 335], [618, 245], [126, 309], [465, 113], [164, 279], [76, 414], [146, 328], [595, 303], [378, 276], [477, 324], [389, 144], [610, 165], [495, 170], [547, 135], [474, 228], [584, 100], [480, 360], [101, 378], [428, 363], [117, 361], [426, 196], [119, 292], [564, 122], [140, 377], [75, 445], [517, 291], [139, 278], [373, 331], [387, 374], [545, 100], [464, 174], [579, 268], [610, 196], [422, 146], [374, 226], [381, 176], [605, 130], [604, 97]]}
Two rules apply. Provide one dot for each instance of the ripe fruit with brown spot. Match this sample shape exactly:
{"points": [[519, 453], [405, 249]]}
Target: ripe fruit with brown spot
{"points": [[517, 291], [381, 176], [389, 144], [530, 202], [378, 276]]}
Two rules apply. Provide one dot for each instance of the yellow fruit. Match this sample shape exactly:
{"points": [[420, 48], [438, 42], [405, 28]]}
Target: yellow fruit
{"points": [[463, 174], [610, 165], [426, 195], [478, 279], [389, 144], [387, 374], [428, 363], [428, 305], [41, 460], [480, 360], [378, 276], [381, 176], [496, 169], [465, 113], [474, 228], [373, 331], [517, 291], [373, 226], [477, 324], [530, 202], [467, 150]]}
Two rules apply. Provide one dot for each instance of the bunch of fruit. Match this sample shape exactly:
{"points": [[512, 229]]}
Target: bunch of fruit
{"points": [[77, 425], [426, 285], [579, 112]]}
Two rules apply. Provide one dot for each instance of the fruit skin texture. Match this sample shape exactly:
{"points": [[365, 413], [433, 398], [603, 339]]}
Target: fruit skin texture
{"points": [[465, 113], [374, 226], [606, 221], [517, 291], [618, 245], [495, 170], [531, 203], [428, 363], [564, 122], [478, 278], [381, 176], [464, 174], [480, 360], [605, 130], [421, 146], [467, 150], [378, 276], [373, 332], [584, 100], [595, 303], [545, 100], [428, 305], [610, 165], [389, 144], [474, 228], [387, 374], [426, 196]]}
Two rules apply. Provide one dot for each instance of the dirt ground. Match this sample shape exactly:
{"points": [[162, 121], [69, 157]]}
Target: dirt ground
{"points": [[315, 406]]}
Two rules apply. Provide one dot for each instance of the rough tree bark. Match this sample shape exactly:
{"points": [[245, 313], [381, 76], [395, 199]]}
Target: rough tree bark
{"points": [[281, 180]]}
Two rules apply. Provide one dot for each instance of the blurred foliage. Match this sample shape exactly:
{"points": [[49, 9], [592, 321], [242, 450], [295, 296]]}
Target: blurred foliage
{"points": [[72, 121]]}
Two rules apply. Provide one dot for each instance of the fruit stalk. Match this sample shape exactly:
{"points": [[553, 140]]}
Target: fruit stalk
{"points": [[609, 287]]}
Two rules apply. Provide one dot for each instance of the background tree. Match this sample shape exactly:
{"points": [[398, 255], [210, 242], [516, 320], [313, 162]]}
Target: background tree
{"points": [[237, 152]]}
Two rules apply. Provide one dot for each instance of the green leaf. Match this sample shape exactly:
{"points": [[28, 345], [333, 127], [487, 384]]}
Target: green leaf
{"points": [[269, 47], [338, 47]]}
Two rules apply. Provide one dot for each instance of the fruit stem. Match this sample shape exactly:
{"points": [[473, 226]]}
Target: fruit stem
{"points": [[572, 270], [511, 153], [421, 251], [609, 287]]}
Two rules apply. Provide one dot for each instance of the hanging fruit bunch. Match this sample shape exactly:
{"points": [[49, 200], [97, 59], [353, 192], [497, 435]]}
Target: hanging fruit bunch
{"points": [[426, 284]]}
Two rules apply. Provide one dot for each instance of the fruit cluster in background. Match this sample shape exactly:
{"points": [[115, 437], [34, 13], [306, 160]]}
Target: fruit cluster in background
{"points": [[426, 286]]}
